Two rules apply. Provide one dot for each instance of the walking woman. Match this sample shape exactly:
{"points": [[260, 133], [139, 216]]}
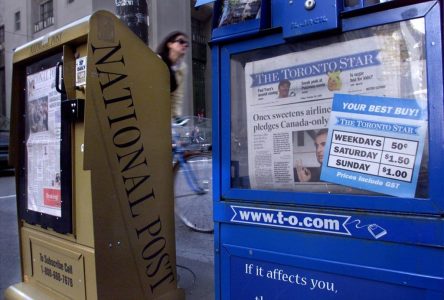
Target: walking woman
{"points": [[172, 50]]}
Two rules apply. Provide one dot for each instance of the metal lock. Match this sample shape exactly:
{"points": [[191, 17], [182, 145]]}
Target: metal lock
{"points": [[309, 4]]}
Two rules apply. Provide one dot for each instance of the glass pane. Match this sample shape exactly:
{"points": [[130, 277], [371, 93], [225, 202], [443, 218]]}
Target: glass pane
{"points": [[373, 2], [281, 100], [362, 3], [352, 3], [17, 21], [43, 126], [2, 34], [235, 11]]}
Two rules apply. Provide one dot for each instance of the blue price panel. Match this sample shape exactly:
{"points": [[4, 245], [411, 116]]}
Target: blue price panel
{"points": [[258, 280], [375, 143]]}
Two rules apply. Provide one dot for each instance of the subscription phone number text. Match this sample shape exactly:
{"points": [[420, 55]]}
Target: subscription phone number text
{"points": [[54, 269]]}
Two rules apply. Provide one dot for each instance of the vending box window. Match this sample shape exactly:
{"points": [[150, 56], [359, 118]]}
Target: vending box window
{"points": [[47, 137], [286, 137], [240, 17]]}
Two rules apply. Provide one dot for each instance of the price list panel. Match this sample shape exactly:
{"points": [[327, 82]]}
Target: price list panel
{"points": [[373, 155], [375, 144], [398, 159]]}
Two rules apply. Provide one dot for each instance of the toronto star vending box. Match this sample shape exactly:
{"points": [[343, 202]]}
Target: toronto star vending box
{"points": [[328, 142]]}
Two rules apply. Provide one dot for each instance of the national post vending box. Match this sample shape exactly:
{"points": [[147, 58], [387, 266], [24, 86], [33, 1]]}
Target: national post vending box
{"points": [[91, 143]]}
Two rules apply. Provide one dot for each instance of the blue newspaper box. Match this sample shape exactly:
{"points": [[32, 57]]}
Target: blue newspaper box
{"points": [[328, 122]]}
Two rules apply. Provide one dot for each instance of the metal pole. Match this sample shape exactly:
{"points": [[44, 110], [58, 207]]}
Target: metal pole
{"points": [[134, 13]]}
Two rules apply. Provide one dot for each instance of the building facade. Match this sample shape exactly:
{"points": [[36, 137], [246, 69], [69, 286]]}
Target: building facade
{"points": [[22, 21]]}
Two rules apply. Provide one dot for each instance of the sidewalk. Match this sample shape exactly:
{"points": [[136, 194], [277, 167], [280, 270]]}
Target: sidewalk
{"points": [[9, 248], [195, 262]]}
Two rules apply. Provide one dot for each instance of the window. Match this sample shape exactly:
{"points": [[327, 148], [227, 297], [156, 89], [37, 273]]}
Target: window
{"points": [[2, 91], [46, 10], [17, 21], [199, 54], [239, 11], [46, 16], [359, 3], [281, 101], [2, 34]]}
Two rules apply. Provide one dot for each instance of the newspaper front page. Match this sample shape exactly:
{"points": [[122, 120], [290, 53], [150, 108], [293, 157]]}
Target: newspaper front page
{"points": [[289, 103], [43, 143]]}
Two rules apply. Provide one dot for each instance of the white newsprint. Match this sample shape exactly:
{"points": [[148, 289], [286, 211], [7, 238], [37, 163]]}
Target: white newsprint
{"points": [[43, 143], [289, 102]]}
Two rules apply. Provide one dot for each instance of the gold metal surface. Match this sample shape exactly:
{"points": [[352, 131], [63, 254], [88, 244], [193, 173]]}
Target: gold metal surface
{"points": [[128, 150], [70, 34], [60, 267]]}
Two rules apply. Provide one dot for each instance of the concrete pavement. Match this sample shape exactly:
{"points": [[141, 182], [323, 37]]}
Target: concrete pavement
{"points": [[9, 248], [195, 262], [194, 251]]}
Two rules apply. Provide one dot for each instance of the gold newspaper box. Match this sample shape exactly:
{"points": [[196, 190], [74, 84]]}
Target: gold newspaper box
{"points": [[91, 145]]}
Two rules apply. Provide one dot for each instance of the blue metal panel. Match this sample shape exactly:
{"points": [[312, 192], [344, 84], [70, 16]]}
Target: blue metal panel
{"points": [[358, 225], [215, 60], [301, 18], [372, 270], [225, 124], [436, 95], [277, 8], [435, 205], [251, 278], [216, 118]]}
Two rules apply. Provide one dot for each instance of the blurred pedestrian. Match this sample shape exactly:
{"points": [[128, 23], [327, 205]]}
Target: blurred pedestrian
{"points": [[172, 50]]}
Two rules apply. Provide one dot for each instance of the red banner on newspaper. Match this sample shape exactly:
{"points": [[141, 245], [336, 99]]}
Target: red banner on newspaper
{"points": [[52, 197]]}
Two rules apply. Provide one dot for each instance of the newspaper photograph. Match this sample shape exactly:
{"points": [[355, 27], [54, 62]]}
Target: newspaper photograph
{"points": [[289, 100], [43, 143], [235, 11]]}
